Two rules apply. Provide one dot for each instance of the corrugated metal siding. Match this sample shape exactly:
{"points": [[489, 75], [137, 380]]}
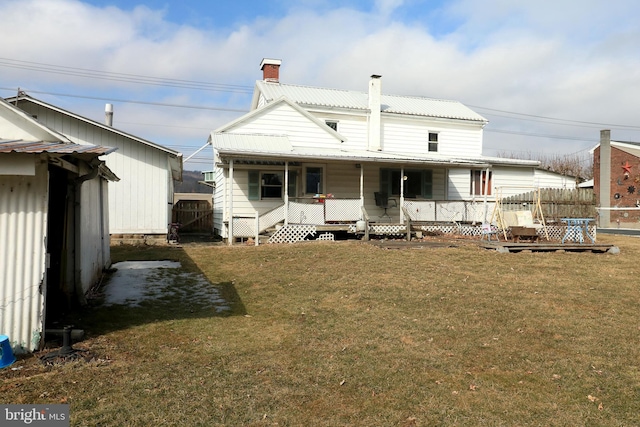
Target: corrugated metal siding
{"points": [[23, 225]]}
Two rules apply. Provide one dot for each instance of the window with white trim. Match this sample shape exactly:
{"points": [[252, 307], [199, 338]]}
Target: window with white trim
{"points": [[479, 181], [433, 142], [265, 185]]}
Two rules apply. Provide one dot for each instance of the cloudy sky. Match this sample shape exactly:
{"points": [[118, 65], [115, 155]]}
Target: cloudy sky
{"points": [[548, 75]]}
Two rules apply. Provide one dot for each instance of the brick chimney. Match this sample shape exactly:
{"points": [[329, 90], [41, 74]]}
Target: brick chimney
{"points": [[271, 70]]}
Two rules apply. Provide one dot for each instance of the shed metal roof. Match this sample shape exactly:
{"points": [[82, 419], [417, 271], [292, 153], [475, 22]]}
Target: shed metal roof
{"points": [[35, 147], [354, 100]]}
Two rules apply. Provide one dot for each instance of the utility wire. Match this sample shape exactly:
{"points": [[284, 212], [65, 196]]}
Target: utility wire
{"points": [[123, 77], [130, 101]]}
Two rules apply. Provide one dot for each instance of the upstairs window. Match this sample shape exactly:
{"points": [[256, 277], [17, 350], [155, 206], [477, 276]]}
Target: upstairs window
{"points": [[332, 124], [433, 142], [480, 181]]}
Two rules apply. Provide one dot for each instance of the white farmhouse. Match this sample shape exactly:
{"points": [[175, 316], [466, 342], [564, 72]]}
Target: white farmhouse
{"points": [[331, 158]]}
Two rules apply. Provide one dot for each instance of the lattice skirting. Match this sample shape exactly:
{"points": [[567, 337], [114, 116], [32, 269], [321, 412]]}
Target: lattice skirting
{"points": [[556, 232], [293, 233]]}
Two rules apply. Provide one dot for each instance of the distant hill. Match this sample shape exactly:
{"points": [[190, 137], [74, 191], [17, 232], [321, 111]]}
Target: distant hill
{"points": [[190, 183]]}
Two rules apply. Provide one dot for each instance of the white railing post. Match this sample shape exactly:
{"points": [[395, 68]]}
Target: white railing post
{"points": [[257, 228]]}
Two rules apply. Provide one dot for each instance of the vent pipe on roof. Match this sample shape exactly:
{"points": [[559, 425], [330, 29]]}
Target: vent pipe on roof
{"points": [[375, 101], [270, 70], [108, 114]]}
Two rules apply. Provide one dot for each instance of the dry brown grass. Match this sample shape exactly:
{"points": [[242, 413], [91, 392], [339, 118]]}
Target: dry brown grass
{"points": [[345, 333]]}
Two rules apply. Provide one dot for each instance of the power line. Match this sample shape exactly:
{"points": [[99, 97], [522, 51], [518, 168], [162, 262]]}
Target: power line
{"points": [[130, 101], [554, 118], [123, 77]]}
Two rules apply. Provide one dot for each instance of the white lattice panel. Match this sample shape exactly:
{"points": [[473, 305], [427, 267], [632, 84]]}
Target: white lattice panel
{"points": [[326, 236], [445, 228], [292, 233], [338, 210], [475, 212], [421, 211], [306, 213], [271, 218], [450, 211], [244, 227], [388, 229]]}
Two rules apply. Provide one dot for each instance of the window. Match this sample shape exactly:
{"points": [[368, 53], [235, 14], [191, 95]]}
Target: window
{"points": [[314, 180], [269, 185], [332, 124], [479, 182], [433, 142], [417, 182]]}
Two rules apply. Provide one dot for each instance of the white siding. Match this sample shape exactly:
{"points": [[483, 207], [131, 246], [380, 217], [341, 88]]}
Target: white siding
{"points": [[139, 202], [513, 180], [23, 225], [284, 120], [459, 184], [412, 136], [547, 179]]}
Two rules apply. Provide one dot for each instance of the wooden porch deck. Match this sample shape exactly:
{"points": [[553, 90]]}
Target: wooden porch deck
{"points": [[508, 247]]}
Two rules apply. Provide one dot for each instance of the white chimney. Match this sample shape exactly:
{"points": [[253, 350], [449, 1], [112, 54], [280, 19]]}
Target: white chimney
{"points": [[108, 114], [375, 100]]}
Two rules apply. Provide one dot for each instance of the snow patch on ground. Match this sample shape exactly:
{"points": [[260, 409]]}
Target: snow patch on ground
{"points": [[136, 281]]}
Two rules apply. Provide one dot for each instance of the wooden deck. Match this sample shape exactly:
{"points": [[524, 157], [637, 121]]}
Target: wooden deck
{"points": [[508, 247]]}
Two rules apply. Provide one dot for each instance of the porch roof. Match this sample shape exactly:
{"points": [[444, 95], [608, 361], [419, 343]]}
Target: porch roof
{"points": [[271, 147]]}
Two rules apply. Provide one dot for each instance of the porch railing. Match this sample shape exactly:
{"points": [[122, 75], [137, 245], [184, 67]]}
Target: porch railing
{"points": [[337, 211]]}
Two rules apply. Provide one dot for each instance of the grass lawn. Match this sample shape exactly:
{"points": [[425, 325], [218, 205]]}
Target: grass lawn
{"points": [[345, 333]]}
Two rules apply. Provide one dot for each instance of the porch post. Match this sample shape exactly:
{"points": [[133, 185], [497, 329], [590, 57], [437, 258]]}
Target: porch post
{"points": [[361, 186], [230, 236], [401, 193], [286, 193], [486, 192]]}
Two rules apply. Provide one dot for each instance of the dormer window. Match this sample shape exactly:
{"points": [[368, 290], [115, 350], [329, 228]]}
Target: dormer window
{"points": [[332, 124], [433, 142]]}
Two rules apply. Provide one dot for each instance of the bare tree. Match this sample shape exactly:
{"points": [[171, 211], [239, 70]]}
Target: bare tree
{"points": [[578, 165]]}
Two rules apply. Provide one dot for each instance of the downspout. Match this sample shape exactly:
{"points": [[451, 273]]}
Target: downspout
{"points": [[402, 178], [486, 192], [286, 193], [230, 237]]}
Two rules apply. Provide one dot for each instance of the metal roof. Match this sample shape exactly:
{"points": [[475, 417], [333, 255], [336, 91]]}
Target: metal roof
{"points": [[21, 146], [354, 100], [272, 147]]}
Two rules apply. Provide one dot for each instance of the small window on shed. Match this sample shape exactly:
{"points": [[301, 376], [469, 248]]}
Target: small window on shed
{"points": [[332, 124], [433, 142]]}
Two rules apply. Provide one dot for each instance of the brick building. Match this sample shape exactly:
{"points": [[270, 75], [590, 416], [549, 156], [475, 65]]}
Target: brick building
{"points": [[616, 170]]}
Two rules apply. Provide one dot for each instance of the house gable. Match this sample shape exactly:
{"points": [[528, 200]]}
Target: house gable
{"points": [[285, 118]]}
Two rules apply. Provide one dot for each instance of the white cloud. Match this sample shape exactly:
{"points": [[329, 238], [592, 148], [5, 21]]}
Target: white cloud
{"points": [[555, 59]]}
